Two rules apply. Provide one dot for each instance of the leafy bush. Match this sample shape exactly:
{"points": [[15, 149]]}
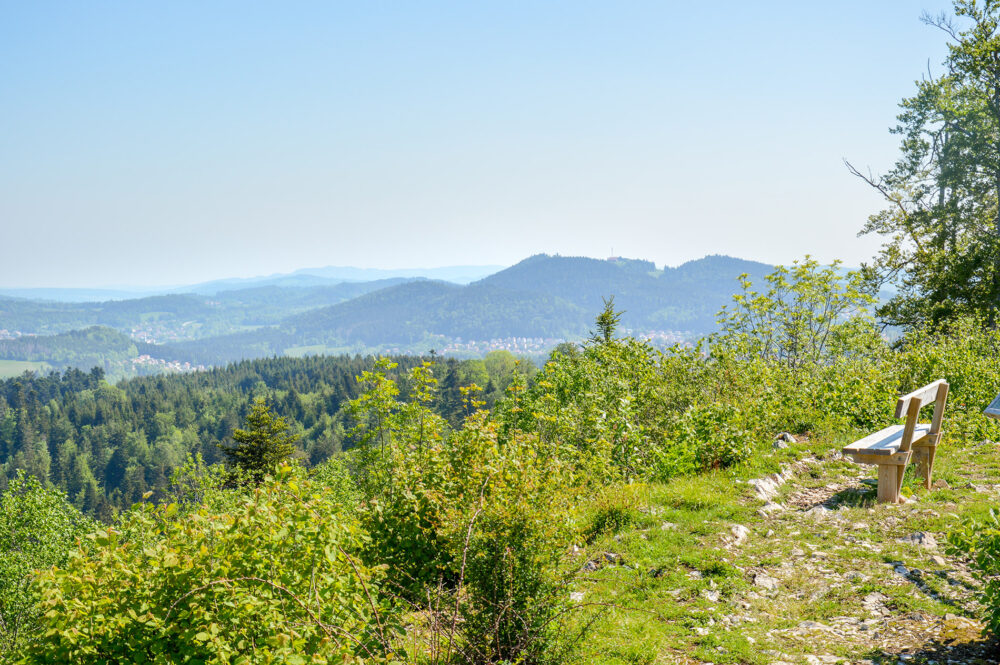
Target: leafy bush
{"points": [[980, 540], [38, 528], [614, 509], [471, 524], [509, 530], [966, 353], [809, 315], [274, 580]]}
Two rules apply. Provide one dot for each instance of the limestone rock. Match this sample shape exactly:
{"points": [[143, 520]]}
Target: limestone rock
{"points": [[765, 581], [770, 507], [710, 595]]}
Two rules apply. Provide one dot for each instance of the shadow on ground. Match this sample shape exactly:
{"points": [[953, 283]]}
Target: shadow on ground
{"points": [[960, 644]]}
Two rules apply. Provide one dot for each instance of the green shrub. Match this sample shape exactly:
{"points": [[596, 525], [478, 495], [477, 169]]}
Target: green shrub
{"points": [[470, 523], [614, 509], [509, 535], [980, 540], [273, 580], [967, 354], [38, 528]]}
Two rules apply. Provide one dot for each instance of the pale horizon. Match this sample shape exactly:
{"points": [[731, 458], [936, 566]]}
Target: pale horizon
{"points": [[177, 144]]}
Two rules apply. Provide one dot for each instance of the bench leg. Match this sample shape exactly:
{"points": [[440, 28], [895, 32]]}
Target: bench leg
{"points": [[929, 466], [924, 457], [888, 483]]}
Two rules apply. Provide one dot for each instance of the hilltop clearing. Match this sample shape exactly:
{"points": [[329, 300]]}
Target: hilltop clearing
{"points": [[804, 567]]}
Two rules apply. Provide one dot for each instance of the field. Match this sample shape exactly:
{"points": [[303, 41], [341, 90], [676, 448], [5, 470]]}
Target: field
{"points": [[10, 368]]}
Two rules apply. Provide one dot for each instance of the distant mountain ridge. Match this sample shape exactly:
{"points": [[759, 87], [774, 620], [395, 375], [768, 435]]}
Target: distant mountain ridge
{"points": [[305, 277], [544, 298]]}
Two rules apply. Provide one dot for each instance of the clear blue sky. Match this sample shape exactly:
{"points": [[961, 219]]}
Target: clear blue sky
{"points": [[173, 142]]}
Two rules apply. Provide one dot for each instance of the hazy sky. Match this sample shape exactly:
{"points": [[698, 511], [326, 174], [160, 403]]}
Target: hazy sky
{"points": [[174, 142]]}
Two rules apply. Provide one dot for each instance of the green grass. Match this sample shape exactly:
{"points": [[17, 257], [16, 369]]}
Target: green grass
{"points": [[678, 593], [12, 368]]}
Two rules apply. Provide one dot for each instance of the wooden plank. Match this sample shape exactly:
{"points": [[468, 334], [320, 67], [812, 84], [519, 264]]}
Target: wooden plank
{"points": [[993, 410], [911, 424], [899, 459], [886, 441], [887, 483], [922, 396], [939, 403]]}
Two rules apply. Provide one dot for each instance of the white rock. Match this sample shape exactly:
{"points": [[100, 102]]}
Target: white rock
{"points": [[765, 581], [939, 560], [765, 488], [770, 507], [817, 512], [576, 596], [710, 595], [740, 534]]}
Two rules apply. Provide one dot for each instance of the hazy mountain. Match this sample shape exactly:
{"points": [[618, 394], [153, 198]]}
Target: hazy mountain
{"points": [[304, 278], [406, 313], [77, 295], [543, 298], [456, 274], [180, 316]]}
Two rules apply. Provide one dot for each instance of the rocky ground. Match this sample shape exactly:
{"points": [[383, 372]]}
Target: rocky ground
{"points": [[798, 566]]}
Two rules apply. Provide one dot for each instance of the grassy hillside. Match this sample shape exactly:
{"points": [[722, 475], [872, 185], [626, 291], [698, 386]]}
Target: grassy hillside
{"points": [[703, 572]]}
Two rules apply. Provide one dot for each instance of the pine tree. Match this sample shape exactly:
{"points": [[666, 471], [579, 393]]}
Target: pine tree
{"points": [[262, 445]]}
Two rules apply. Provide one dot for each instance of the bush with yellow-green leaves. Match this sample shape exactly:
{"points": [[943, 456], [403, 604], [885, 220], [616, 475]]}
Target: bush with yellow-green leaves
{"points": [[273, 580]]}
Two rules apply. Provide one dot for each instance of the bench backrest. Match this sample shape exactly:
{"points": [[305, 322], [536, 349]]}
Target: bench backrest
{"points": [[909, 405]]}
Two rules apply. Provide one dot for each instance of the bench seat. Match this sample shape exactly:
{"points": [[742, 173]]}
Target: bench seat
{"points": [[886, 441]]}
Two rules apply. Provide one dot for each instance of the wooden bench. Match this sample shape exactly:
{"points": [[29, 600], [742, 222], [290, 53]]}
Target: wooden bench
{"points": [[892, 448]]}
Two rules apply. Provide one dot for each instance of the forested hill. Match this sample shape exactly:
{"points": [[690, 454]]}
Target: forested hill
{"points": [[408, 312], [542, 296], [181, 316], [106, 445], [528, 308], [684, 298]]}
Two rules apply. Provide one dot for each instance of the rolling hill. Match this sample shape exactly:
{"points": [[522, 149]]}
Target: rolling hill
{"points": [[543, 298]]}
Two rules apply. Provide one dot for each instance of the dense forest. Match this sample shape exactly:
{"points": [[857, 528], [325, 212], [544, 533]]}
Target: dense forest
{"points": [[107, 445]]}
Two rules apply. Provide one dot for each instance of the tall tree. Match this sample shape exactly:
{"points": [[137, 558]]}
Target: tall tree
{"points": [[942, 224], [262, 445]]}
